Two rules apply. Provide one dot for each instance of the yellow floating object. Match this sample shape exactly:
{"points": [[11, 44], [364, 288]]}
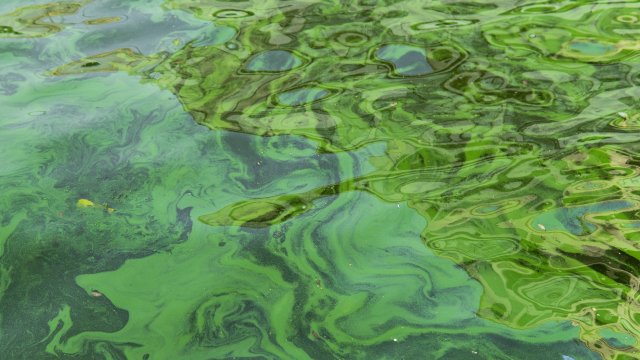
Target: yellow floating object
{"points": [[85, 203]]}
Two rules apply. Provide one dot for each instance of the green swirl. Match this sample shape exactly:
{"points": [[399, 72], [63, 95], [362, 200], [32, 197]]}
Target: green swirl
{"points": [[307, 179]]}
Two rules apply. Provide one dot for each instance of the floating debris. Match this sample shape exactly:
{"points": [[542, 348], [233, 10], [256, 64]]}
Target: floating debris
{"points": [[86, 203]]}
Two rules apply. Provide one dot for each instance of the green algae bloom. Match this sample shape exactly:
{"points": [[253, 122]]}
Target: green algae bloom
{"points": [[320, 179]]}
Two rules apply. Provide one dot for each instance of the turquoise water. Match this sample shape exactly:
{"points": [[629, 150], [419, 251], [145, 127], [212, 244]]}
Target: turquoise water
{"points": [[192, 179]]}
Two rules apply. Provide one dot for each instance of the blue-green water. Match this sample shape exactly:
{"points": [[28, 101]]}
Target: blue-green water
{"points": [[193, 179]]}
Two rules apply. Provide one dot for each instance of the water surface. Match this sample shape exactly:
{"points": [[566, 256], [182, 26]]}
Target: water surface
{"points": [[193, 179]]}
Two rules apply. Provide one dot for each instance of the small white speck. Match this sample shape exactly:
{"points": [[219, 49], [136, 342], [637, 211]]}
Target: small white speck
{"points": [[395, 339], [474, 352], [623, 115], [532, 35], [398, 206], [542, 227]]}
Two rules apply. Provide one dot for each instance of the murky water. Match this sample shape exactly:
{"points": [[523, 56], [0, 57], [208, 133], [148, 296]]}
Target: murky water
{"points": [[194, 179]]}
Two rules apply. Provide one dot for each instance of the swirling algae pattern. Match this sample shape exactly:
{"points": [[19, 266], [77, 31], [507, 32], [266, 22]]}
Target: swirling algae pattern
{"points": [[31, 21], [321, 179]]}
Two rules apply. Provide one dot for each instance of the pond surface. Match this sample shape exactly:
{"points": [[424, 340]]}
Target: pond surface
{"points": [[195, 179]]}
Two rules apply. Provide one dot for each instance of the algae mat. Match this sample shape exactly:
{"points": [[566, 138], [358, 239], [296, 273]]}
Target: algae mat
{"points": [[195, 179]]}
